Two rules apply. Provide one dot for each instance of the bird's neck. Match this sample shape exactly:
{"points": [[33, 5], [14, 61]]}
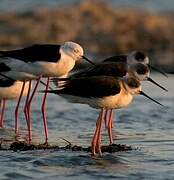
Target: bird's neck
{"points": [[65, 64], [123, 85], [68, 55]]}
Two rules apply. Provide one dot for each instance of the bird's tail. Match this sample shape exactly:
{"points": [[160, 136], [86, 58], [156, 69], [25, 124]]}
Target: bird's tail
{"points": [[171, 72], [1, 54], [54, 80], [60, 82]]}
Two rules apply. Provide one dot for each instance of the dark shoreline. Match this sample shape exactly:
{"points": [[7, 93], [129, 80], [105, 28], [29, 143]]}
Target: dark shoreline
{"points": [[23, 146]]}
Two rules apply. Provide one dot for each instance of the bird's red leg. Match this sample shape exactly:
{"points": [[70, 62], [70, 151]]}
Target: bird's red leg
{"points": [[94, 139], [17, 108], [29, 107], [97, 137], [26, 110], [106, 118], [110, 124], [2, 113], [44, 111], [98, 145]]}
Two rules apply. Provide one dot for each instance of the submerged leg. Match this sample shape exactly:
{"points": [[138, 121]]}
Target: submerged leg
{"points": [[44, 111], [17, 108], [2, 113]]}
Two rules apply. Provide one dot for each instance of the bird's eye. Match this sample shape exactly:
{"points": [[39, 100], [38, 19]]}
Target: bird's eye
{"points": [[76, 50]]}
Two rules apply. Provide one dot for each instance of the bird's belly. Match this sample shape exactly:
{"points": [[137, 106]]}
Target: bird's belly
{"points": [[13, 92], [111, 102], [50, 69], [39, 68]]}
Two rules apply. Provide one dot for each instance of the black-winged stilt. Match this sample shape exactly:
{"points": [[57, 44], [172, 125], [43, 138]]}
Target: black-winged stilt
{"points": [[101, 92], [45, 60]]}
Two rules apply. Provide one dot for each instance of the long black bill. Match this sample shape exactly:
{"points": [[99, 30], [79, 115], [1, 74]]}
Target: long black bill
{"points": [[142, 93], [158, 70], [152, 81], [88, 60]]}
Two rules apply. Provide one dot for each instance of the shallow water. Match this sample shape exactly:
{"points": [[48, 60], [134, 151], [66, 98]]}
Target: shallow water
{"points": [[147, 127]]}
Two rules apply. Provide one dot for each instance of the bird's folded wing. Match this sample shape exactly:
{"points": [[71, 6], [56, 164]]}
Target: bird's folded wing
{"points": [[97, 87], [44, 52]]}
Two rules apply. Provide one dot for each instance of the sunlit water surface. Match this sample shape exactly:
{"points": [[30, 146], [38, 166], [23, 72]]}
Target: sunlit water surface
{"points": [[147, 127]]}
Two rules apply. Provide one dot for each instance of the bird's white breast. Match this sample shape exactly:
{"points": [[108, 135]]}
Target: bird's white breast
{"points": [[65, 64]]}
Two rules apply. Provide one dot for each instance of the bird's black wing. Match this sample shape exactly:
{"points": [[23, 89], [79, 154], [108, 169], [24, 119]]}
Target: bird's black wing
{"points": [[4, 67], [6, 83], [118, 58], [102, 69], [98, 87], [38, 52]]}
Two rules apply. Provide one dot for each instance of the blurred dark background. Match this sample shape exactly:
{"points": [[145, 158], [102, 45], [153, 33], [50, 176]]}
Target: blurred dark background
{"points": [[103, 28]]}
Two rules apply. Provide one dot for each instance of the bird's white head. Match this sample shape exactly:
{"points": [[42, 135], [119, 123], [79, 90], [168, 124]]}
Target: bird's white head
{"points": [[132, 85], [74, 50], [137, 57], [139, 71]]}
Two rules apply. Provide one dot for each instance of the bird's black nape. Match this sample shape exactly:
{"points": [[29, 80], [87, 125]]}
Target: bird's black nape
{"points": [[157, 70], [88, 60], [142, 93], [152, 81]]}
